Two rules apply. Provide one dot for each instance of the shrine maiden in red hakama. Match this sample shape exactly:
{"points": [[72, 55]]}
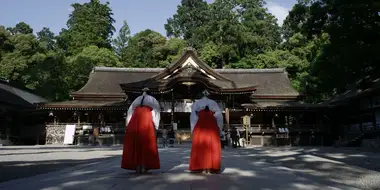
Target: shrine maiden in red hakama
{"points": [[206, 122], [140, 150]]}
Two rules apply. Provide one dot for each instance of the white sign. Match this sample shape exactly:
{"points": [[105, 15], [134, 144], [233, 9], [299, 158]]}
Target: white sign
{"points": [[182, 106], [87, 127], [69, 134], [175, 126]]}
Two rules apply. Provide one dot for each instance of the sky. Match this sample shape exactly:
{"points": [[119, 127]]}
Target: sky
{"points": [[140, 14]]}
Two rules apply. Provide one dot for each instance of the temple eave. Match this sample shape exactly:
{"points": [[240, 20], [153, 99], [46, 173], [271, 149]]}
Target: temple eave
{"points": [[85, 105], [279, 105], [212, 90]]}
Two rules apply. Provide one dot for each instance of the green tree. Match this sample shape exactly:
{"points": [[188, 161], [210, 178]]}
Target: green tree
{"points": [[49, 76], [224, 32], [5, 44], [23, 55], [351, 53], [81, 64], [46, 39], [170, 52], [297, 18], [260, 31], [238, 29], [191, 16], [120, 43], [20, 28], [24, 61], [89, 24], [142, 50]]}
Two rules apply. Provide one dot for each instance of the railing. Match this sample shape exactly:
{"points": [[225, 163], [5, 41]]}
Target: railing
{"points": [[370, 128], [86, 124], [259, 128], [255, 128], [365, 128], [182, 105]]}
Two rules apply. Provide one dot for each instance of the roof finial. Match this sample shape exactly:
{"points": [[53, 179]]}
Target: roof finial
{"points": [[146, 89], [189, 48], [205, 93]]}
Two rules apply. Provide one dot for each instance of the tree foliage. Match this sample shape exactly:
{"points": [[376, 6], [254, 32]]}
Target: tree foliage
{"points": [[89, 24], [120, 43], [324, 45]]}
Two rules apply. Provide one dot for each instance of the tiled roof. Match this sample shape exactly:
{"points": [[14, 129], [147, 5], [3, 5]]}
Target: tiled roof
{"points": [[18, 96], [107, 80]]}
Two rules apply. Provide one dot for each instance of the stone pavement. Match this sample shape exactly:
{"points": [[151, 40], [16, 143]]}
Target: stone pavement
{"points": [[239, 173]]}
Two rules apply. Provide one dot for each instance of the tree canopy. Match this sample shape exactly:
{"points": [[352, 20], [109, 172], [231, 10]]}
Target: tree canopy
{"points": [[324, 45]]}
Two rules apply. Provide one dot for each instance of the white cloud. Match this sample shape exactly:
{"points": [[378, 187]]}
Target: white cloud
{"points": [[278, 11], [70, 9]]}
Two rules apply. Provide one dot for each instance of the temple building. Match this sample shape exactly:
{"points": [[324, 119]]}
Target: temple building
{"points": [[275, 109], [356, 114], [20, 121]]}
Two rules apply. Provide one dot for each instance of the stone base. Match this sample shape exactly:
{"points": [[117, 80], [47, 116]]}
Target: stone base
{"points": [[5, 143]]}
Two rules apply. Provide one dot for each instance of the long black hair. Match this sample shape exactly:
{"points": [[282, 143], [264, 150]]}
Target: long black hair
{"points": [[207, 108]]}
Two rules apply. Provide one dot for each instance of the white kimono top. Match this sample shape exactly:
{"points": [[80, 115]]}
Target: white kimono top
{"points": [[200, 105], [148, 101]]}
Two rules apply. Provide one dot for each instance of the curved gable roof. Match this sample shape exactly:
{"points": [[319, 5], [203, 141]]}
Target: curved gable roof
{"points": [[105, 81]]}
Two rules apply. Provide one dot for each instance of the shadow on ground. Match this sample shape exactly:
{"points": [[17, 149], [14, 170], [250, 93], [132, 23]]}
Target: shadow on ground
{"points": [[240, 172], [20, 169], [326, 164]]}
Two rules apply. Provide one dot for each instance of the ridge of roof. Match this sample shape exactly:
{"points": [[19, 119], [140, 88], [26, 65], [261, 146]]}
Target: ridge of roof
{"points": [[124, 69], [269, 70], [18, 86], [19, 90]]}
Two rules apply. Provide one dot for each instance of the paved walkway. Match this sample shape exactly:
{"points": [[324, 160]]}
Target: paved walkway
{"points": [[239, 173]]}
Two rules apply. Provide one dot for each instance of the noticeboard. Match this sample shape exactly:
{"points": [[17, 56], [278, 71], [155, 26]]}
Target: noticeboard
{"points": [[247, 120]]}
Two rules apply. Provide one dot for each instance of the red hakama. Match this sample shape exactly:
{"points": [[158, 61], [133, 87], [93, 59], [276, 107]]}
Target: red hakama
{"points": [[140, 142], [206, 148]]}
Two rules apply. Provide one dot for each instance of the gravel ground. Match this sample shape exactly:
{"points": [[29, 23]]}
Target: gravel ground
{"points": [[24, 161], [344, 166], [238, 173], [323, 165]]}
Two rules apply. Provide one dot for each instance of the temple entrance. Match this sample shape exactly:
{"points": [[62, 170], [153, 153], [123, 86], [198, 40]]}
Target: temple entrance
{"points": [[182, 119], [188, 90], [183, 96], [178, 110]]}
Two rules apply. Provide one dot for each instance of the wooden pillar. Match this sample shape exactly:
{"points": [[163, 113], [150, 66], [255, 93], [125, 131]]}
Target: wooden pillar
{"points": [[286, 119], [264, 119], [38, 135], [227, 116], [78, 118], [55, 120], [233, 101], [360, 121], [173, 107], [87, 117], [227, 113], [373, 111], [358, 114]]}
